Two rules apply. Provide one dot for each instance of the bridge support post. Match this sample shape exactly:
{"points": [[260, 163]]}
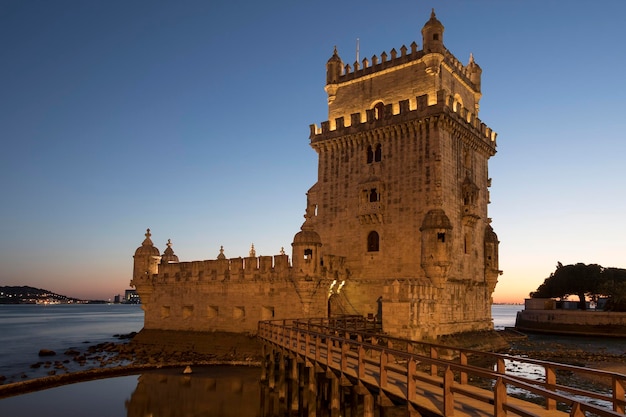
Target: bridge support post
{"points": [[311, 391], [281, 378], [368, 404], [271, 368], [335, 398], [292, 385]]}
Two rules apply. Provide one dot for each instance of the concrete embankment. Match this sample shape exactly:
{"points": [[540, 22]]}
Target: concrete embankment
{"points": [[572, 322]]}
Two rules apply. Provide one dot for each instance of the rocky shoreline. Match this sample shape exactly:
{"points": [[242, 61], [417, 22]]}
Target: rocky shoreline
{"points": [[128, 356]]}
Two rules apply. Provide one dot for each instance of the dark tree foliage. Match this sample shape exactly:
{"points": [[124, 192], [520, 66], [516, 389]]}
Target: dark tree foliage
{"points": [[614, 286], [579, 279]]}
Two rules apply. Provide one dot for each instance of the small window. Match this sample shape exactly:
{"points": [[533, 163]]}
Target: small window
{"points": [[308, 253], [373, 242], [370, 155], [436, 37], [374, 196], [441, 237], [378, 153]]}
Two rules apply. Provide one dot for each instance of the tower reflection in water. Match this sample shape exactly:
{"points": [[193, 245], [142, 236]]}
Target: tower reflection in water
{"points": [[209, 391], [239, 391]]}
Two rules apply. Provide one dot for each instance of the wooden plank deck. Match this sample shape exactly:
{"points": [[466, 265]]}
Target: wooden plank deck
{"points": [[444, 390]]}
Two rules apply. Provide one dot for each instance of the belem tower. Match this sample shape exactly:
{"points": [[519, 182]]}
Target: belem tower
{"points": [[396, 227]]}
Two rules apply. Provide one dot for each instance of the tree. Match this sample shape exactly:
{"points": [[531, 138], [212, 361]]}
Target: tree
{"points": [[614, 286], [579, 279]]}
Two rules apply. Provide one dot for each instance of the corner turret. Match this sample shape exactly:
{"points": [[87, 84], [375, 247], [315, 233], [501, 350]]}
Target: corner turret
{"points": [[333, 72], [306, 246], [146, 259], [436, 256], [432, 35]]}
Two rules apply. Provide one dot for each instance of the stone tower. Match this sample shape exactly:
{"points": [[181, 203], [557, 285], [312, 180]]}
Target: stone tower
{"points": [[402, 190]]}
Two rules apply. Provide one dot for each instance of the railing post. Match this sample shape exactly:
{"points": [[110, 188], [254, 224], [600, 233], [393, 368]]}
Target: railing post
{"points": [[433, 355], [361, 367], [619, 386], [344, 356], [329, 351], [307, 343], [318, 342], [384, 357], [550, 385], [448, 396], [410, 379], [463, 362], [499, 398], [500, 367]]}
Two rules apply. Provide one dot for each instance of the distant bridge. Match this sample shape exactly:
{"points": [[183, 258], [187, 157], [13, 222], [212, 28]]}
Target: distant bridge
{"points": [[309, 362]]}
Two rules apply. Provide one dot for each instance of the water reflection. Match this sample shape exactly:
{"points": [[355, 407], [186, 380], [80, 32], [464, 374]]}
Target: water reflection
{"points": [[208, 391], [223, 391]]}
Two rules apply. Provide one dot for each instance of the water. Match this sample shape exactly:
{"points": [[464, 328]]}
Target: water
{"points": [[27, 328], [215, 390], [504, 315]]}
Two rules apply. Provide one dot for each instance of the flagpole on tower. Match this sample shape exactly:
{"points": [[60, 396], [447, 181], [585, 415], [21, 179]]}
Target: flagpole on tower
{"points": [[357, 49]]}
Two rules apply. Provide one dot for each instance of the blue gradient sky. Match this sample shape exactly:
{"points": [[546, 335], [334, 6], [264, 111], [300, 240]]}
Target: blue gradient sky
{"points": [[191, 118]]}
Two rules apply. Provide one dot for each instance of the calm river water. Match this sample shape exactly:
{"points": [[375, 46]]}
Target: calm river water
{"points": [[211, 391]]}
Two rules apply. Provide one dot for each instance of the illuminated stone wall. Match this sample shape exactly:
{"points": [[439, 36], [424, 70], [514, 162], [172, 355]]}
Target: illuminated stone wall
{"points": [[396, 225]]}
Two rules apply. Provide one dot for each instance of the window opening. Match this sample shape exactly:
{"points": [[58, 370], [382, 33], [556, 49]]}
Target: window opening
{"points": [[370, 155], [374, 196], [378, 153], [373, 242], [441, 237], [308, 253]]}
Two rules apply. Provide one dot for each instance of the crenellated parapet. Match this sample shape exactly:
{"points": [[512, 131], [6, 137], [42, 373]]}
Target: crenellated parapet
{"points": [[248, 268], [421, 107], [406, 56]]}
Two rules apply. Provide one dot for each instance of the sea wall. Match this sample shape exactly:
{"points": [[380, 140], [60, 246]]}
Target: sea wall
{"points": [[575, 322]]}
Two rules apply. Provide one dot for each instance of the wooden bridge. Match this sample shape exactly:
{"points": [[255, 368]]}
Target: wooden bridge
{"points": [[427, 379]]}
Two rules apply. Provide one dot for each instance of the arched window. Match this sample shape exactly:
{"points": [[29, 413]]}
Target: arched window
{"points": [[378, 153], [370, 155], [372, 242]]}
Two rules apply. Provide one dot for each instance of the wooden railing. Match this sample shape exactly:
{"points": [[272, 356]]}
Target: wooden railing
{"points": [[396, 366]]}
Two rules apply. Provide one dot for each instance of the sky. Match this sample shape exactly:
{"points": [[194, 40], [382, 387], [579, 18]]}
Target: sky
{"points": [[191, 118]]}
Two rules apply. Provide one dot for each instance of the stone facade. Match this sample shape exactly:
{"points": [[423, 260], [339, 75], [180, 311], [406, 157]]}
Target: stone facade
{"points": [[396, 225]]}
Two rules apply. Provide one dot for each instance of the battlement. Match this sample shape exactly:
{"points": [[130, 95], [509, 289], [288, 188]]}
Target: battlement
{"points": [[385, 62], [406, 110], [260, 267]]}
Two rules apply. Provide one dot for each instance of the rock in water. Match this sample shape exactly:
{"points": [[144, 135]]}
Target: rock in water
{"points": [[187, 370], [46, 352]]}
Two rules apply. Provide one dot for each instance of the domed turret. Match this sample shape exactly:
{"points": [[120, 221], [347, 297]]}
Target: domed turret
{"points": [[147, 247], [306, 247], [432, 35], [146, 260], [333, 68], [333, 72], [168, 256], [475, 72]]}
